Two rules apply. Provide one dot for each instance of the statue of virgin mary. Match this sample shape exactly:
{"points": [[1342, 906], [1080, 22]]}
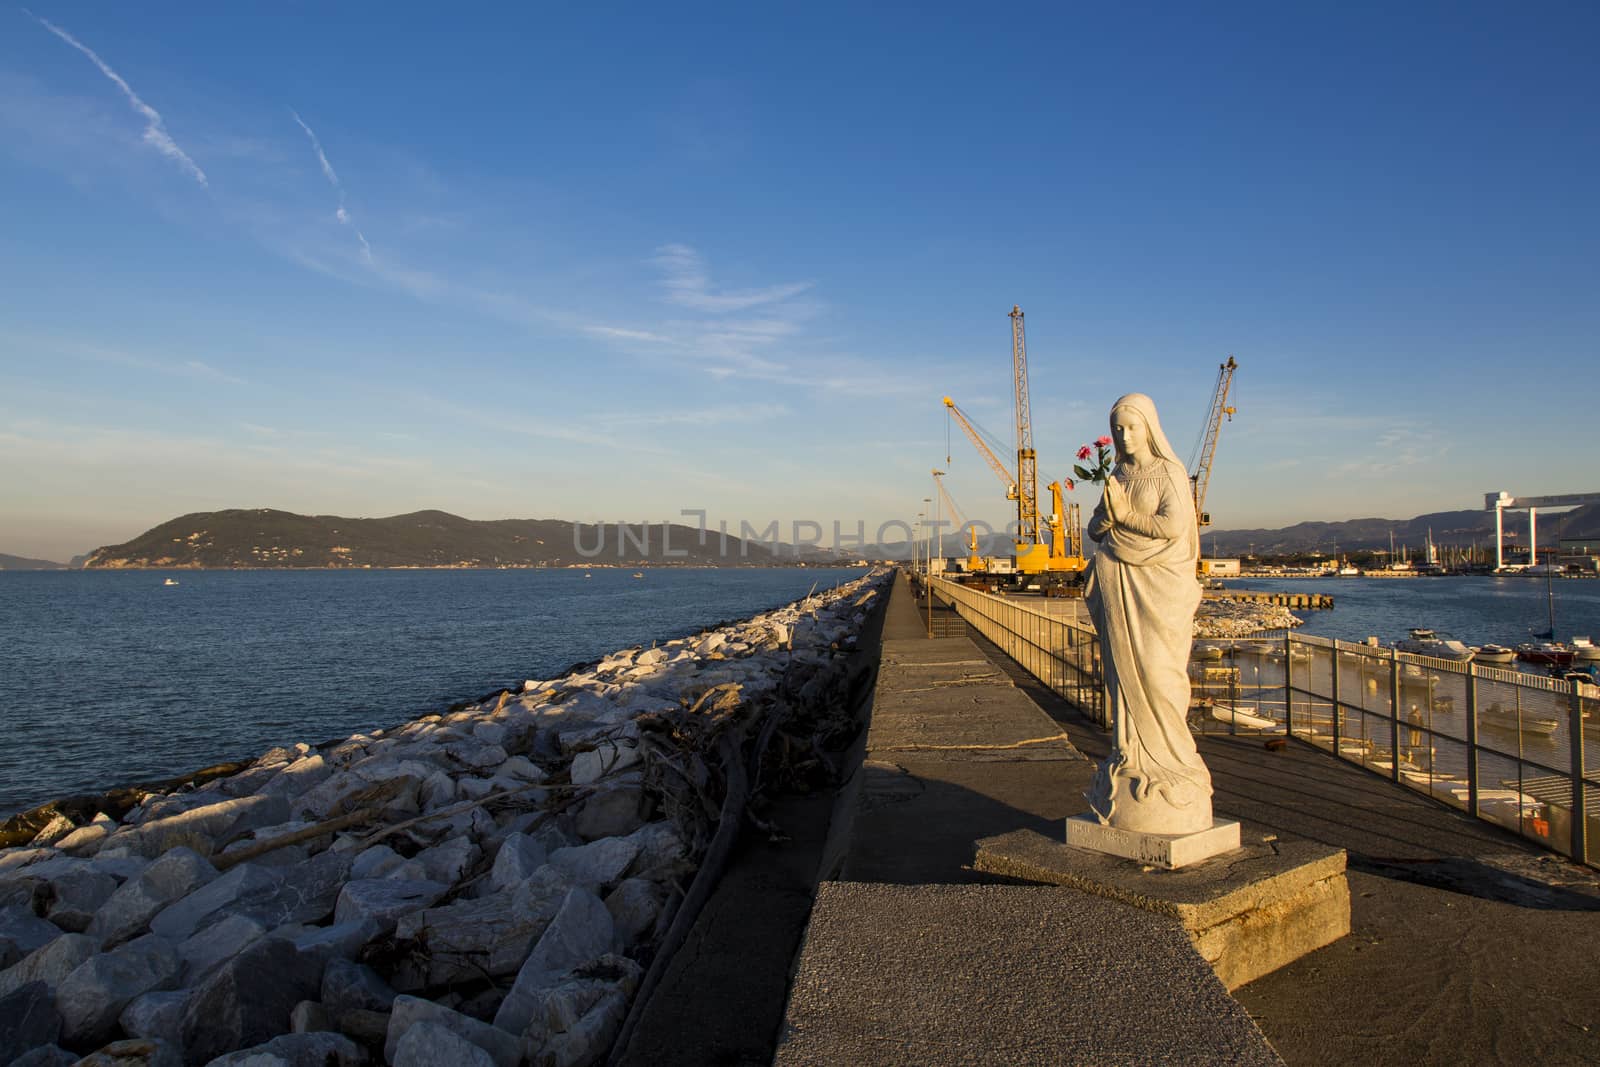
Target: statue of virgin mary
{"points": [[1142, 594]]}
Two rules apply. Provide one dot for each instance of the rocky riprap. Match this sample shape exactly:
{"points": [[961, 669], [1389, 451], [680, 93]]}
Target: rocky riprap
{"points": [[491, 886], [1223, 617]]}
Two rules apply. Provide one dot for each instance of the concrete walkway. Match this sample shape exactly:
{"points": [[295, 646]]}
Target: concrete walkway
{"points": [[1468, 944], [912, 957]]}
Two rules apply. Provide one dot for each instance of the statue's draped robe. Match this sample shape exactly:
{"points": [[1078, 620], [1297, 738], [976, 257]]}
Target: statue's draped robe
{"points": [[1142, 593]]}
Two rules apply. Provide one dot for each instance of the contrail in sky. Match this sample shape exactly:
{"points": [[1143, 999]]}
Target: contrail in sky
{"points": [[333, 179], [154, 132]]}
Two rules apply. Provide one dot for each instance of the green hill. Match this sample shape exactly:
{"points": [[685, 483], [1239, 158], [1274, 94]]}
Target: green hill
{"points": [[264, 538]]}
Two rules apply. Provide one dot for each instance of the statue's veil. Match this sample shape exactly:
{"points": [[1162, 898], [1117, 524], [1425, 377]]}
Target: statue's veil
{"points": [[1160, 447], [1147, 410]]}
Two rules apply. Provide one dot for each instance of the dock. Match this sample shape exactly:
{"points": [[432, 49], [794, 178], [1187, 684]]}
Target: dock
{"points": [[913, 957], [1468, 944]]}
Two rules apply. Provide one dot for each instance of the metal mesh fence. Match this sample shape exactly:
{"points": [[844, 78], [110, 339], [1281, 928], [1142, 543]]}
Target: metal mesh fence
{"points": [[1063, 655], [1518, 750]]}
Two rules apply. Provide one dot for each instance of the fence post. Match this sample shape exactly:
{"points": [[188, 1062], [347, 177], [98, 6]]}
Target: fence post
{"points": [[1472, 740], [1580, 815], [1394, 714], [1288, 684], [1334, 725]]}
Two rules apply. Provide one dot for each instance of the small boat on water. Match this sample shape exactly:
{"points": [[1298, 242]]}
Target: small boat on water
{"points": [[1500, 718], [1206, 652], [586, 574], [1425, 642], [638, 574], [1503, 804], [1496, 655], [1246, 717], [1545, 653], [1585, 650], [170, 581]]}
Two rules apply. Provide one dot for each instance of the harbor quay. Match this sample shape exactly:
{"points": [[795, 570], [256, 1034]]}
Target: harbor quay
{"points": [[1466, 943]]}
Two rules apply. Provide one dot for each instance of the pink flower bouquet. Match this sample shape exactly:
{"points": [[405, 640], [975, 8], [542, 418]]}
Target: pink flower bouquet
{"points": [[1103, 457]]}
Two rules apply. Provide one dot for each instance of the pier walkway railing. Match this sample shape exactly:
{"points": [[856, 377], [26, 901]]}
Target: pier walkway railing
{"points": [[1061, 654], [1518, 750]]}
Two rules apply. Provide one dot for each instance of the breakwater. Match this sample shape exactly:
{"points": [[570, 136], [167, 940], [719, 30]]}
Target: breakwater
{"points": [[1296, 601], [1234, 615], [269, 658], [498, 884]]}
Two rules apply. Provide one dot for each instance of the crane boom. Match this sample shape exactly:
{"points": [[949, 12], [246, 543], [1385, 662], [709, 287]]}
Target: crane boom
{"points": [[1201, 477], [949, 501], [1028, 531], [984, 450], [975, 563]]}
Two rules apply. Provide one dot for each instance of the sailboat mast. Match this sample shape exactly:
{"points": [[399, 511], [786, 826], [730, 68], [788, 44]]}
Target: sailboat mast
{"points": [[1550, 600]]}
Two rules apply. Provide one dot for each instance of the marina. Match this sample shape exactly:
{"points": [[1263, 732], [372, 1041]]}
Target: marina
{"points": [[1461, 732], [1478, 610], [1472, 736]]}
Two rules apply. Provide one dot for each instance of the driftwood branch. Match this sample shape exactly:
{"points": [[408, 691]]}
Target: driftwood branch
{"points": [[457, 809], [371, 814], [321, 829]]}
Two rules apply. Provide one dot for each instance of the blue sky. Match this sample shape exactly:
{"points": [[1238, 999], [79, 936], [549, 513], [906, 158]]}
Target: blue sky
{"points": [[607, 264]]}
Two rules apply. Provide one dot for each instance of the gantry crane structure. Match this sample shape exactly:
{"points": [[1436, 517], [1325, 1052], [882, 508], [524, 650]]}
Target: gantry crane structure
{"points": [[1201, 478], [1034, 555], [1028, 530], [975, 563], [1066, 527]]}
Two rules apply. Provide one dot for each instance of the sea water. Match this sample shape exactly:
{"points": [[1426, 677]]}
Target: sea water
{"points": [[1478, 610], [112, 677], [1475, 609]]}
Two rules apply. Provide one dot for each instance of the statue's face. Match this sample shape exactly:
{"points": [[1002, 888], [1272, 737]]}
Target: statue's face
{"points": [[1130, 434]]}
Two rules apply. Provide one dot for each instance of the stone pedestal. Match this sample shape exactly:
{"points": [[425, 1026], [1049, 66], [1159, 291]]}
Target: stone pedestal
{"points": [[1159, 850], [1269, 903]]}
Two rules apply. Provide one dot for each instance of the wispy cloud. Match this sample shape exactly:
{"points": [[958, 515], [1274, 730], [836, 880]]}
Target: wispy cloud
{"points": [[688, 284], [342, 213], [713, 416], [196, 369], [97, 353], [619, 333], [155, 131]]}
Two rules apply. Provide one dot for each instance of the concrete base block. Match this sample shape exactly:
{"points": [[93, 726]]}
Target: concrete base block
{"points": [[1262, 906], [1160, 850]]}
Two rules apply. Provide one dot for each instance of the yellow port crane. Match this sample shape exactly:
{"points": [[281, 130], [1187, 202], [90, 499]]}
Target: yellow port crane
{"points": [[975, 562], [1033, 554], [1027, 463], [984, 450], [1201, 478], [1030, 554], [1066, 528]]}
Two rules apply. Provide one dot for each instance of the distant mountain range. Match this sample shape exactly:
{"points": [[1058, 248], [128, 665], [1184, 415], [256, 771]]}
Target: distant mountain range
{"points": [[263, 538], [1459, 529], [22, 563]]}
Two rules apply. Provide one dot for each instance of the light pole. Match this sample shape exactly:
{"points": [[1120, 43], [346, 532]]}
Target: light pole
{"points": [[916, 546], [937, 525], [927, 555]]}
